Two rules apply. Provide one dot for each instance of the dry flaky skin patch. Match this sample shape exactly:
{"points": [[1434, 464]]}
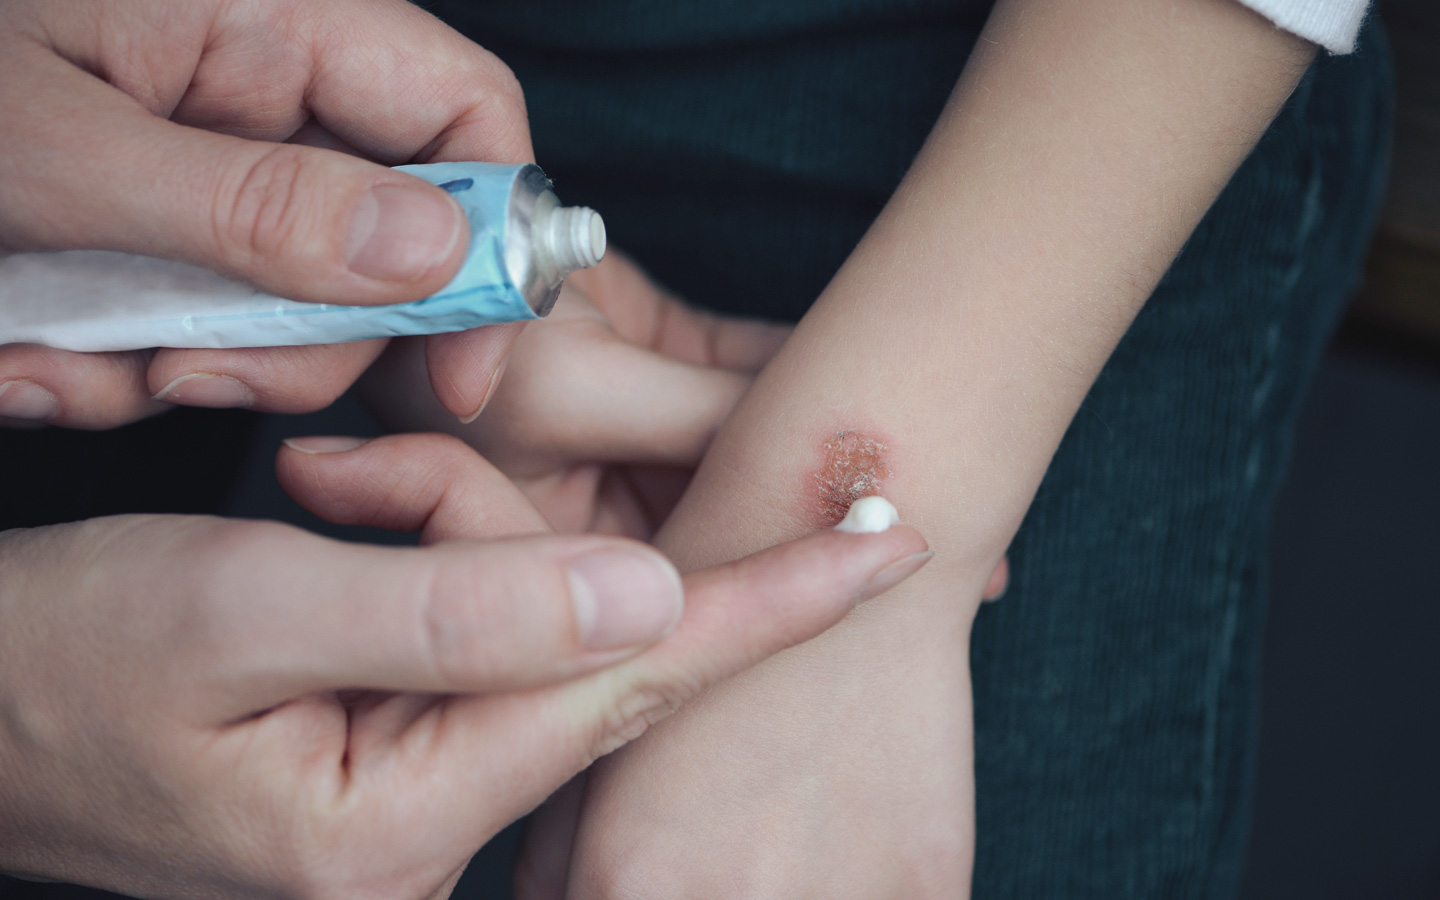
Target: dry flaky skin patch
{"points": [[854, 467]]}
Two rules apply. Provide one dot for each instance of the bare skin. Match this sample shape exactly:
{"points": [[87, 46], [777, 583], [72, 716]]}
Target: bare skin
{"points": [[1081, 147], [251, 138], [191, 707], [196, 708]]}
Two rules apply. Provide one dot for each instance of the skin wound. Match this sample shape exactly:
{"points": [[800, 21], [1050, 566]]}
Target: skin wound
{"points": [[854, 467]]}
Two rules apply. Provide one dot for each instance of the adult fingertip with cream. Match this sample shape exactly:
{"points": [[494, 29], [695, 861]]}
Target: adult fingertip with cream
{"points": [[869, 515]]}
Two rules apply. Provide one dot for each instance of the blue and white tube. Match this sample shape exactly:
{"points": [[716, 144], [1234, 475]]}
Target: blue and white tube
{"points": [[523, 244]]}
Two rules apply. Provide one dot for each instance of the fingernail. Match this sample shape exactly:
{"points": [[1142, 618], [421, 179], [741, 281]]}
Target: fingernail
{"points": [[992, 596], [28, 401], [399, 232], [489, 392], [895, 573], [324, 444], [624, 598], [203, 389], [999, 582], [869, 515]]}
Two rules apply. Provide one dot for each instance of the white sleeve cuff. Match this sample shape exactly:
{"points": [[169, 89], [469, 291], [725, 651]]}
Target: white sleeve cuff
{"points": [[1332, 24]]}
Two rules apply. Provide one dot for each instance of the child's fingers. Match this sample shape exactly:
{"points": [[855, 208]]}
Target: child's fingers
{"points": [[644, 313], [741, 345], [586, 395], [573, 392]]}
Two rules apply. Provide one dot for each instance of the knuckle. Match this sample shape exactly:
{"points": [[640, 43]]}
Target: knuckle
{"points": [[267, 210], [485, 102], [450, 457], [502, 106], [310, 378], [23, 360], [504, 85], [502, 92], [643, 705], [429, 466]]}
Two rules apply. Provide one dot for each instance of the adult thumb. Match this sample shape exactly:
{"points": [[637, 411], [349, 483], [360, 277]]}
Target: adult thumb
{"points": [[302, 222]]}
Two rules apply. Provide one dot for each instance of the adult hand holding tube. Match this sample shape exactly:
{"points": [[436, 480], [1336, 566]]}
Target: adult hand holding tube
{"points": [[269, 713], [208, 132]]}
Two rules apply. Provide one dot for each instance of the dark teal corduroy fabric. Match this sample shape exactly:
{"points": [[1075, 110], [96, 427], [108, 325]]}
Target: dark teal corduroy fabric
{"points": [[739, 151], [1117, 687]]}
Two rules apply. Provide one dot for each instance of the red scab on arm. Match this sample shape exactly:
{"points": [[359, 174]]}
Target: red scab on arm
{"points": [[854, 465]]}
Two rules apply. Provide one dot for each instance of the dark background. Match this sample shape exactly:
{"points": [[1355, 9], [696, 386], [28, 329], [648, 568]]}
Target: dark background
{"points": [[1348, 791]]}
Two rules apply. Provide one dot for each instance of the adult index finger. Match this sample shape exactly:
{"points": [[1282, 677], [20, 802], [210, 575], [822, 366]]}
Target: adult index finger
{"points": [[389, 79], [281, 614], [519, 747]]}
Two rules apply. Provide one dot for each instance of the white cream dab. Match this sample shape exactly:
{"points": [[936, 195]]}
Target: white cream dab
{"points": [[869, 515]]}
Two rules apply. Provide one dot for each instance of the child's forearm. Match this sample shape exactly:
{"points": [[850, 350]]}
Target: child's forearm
{"points": [[940, 367], [1080, 149]]}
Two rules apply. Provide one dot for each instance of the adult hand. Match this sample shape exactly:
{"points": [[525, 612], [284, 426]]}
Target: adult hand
{"points": [[606, 406], [231, 135], [195, 707]]}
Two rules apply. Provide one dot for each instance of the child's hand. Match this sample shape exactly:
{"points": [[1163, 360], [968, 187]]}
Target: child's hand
{"points": [[604, 408]]}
